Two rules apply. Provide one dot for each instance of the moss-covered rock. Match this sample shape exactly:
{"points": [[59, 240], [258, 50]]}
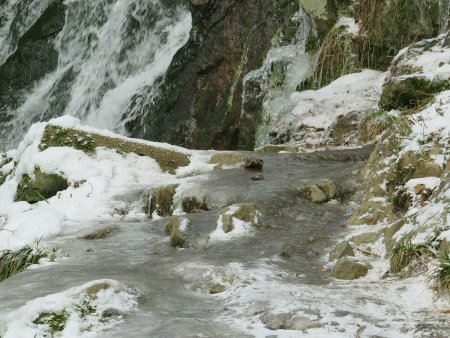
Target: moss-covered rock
{"points": [[226, 158], [348, 269], [55, 136], [100, 234], [192, 204], [410, 92], [342, 249], [373, 124], [40, 188], [159, 200], [177, 228], [319, 193], [245, 212]]}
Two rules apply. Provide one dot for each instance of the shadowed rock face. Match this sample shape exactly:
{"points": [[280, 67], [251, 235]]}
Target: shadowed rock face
{"points": [[34, 58], [201, 97]]}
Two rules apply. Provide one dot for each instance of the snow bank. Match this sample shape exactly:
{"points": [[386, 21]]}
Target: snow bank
{"points": [[84, 311], [99, 184]]}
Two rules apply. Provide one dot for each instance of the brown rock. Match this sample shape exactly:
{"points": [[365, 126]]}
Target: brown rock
{"points": [[254, 163], [418, 188]]}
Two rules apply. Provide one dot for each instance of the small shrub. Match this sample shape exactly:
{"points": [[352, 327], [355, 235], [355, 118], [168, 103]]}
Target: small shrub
{"points": [[404, 252], [13, 262], [440, 278]]}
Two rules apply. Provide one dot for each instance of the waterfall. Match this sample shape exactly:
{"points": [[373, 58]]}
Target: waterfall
{"points": [[108, 52]]}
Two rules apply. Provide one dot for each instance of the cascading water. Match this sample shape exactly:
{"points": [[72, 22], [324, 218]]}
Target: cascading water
{"points": [[108, 51]]}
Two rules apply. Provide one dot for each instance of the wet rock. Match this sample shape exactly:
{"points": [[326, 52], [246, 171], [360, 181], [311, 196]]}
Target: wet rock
{"points": [[177, 228], [276, 321], [254, 163], [256, 308], [168, 159], [96, 288], [343, 249], [226, 158], [319, 193], [100, 234], [159, 200], [226, 42], [257, 177], [301, 323], [41, 188], [110, 313], [348, 269], [217, 288], [290, 251], [193, 205], [244, 212]]}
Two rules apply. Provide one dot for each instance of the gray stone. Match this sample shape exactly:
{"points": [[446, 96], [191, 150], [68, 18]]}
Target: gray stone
{"points": [[343, 249], [348, 269]]}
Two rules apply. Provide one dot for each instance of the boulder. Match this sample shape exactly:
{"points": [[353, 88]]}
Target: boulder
{"points": [[159, 200], [348, 269], [427, 169], [343, 249], [191, 205], [254, 163], [177, 228], [40, 188], [319, 193], [245, 212]]}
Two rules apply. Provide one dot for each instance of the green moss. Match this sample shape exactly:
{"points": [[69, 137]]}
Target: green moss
{"points": [[410, 93], [41, 188], [14, 262], [237, 78], [85, 309], [55, 321], [64, 137]]}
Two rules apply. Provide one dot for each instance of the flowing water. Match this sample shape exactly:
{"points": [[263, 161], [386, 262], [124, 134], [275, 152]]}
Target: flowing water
{"points": [[175, 283], [108, 52]]}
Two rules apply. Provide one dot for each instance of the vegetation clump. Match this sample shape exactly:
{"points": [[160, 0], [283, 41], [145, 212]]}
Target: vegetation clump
{"points": [[405, 252], [373, 124], [440, 278], [54, 321], [13, 262], [388, 26], [336, 57]]}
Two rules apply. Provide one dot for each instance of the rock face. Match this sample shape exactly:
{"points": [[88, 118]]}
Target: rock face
{"points": [[34, 58], [348, 269], [201, 97], [42, 187]]}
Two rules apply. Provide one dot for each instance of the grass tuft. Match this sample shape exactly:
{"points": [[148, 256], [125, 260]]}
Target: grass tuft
{"points": [[440, 278], [14, 262], [404, 252]]}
